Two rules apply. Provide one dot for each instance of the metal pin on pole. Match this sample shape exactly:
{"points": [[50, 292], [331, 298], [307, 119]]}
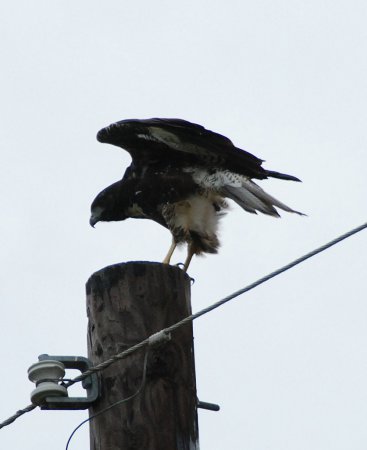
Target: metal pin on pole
{"points": [[208, 406]]}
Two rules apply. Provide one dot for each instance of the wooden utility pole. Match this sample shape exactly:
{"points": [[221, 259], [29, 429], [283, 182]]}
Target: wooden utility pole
{"points": [[126, 303]]}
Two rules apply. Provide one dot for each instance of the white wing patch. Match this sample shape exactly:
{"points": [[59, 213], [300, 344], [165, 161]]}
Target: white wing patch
{"points": [[163, 136], [171, 140]]}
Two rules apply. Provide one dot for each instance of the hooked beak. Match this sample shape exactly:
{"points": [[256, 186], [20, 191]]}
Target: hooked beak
{"points": [[96, 215], [93, 220]]}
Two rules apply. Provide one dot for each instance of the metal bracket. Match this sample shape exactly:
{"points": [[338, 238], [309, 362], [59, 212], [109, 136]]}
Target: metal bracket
{"points": [[90, 384]]}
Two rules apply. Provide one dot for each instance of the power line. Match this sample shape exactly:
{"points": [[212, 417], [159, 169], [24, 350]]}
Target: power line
{"points": [[167, 331], [216, 305], [19, 413]]}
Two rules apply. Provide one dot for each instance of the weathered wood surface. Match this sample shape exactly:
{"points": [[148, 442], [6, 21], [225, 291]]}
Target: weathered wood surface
{"points": [[125, 304]]}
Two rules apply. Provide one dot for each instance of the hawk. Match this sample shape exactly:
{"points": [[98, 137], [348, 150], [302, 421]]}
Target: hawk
{"points": [[180, 176]]}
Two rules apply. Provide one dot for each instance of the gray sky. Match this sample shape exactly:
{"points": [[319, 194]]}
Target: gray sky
{"points": [[285, 80]]}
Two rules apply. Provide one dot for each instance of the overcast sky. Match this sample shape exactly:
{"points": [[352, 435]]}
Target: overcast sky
{"points": [[285, 80]]}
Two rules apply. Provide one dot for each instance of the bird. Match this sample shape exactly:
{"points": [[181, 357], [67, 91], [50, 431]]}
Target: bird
{"points": [[182, 176]]}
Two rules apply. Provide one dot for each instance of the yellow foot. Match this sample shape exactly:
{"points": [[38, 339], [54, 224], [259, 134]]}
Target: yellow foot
{"points": [[167, 259]]}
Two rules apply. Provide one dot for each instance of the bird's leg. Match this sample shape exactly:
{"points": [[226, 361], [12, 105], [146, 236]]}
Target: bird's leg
{"points": [[190, 254], [167, 259]]}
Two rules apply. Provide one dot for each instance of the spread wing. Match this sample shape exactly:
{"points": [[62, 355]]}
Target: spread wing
{"points": [[179, 143]]}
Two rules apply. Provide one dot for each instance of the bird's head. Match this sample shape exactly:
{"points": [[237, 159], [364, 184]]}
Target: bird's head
{"points": [[109, 205]]}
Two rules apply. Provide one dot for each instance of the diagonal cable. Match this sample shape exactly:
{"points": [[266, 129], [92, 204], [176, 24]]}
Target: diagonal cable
{"points": [[145, 342], [216, 305]]}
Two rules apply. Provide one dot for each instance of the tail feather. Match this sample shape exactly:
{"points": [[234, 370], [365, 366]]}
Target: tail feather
{"points": [[261, 194], [281, 176], [249, 201], [252, 198]]}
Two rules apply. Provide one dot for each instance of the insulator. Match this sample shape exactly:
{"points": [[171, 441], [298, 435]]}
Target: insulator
{"points": [[46, 375]]}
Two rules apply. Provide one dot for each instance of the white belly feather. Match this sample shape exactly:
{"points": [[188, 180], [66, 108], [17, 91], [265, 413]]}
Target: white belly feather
{"points": [[196, 220], [197, 214]]}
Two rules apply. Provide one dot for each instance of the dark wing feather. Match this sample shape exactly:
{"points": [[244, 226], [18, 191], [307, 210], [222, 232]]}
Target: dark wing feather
{"points": [[177, 142]]}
